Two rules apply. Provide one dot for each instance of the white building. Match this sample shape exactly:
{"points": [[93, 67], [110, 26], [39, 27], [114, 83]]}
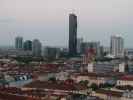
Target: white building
{"points": [[117, 46], [90, 67], [122, 67]]}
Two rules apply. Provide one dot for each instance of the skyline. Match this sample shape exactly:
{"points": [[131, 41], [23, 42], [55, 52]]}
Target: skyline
{"points": [[41, 19]]}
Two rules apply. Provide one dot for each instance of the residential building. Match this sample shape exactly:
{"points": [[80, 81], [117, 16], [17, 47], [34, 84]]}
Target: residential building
{"points": [[125, 80], [117, 46], [97, 78]]}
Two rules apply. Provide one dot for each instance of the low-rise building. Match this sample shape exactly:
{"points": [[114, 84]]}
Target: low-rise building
{"points": [[97, 78], [62, 75], [67, 86], [125, 80]]}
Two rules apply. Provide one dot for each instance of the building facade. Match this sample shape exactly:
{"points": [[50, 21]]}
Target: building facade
{"points": [[92, 45], [72, 34], [79, 44], [19, 42], [126, 80], [117, 46], [51, 52], [36, 48], [28, 45]]}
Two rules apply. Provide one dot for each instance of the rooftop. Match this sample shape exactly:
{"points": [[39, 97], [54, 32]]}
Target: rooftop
{"points": [[55, 85], [127, 78], [9, 96]]}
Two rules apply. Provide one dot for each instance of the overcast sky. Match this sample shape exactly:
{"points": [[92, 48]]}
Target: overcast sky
{"points": [[47, 20]]}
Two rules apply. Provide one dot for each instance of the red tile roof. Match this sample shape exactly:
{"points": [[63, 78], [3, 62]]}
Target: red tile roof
{"points": [[7, 96], [55, 86], [127, 78]]}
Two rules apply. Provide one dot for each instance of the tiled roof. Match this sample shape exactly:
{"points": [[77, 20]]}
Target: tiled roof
{"points": [[127, 78], [7, 96], [93, 74], [55, 86]]}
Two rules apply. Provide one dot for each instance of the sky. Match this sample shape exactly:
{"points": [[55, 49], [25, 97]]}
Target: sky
{"points": [[47, 20]]}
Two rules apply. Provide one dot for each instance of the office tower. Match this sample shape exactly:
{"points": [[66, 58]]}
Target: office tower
{"points": [[79, 43], [19, 42], [36, 48], [28, 45], [117, 46], [72, 34]]}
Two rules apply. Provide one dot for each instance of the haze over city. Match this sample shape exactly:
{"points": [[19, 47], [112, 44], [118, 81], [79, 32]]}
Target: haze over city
{"points": [[66, 50], [47, 20]]}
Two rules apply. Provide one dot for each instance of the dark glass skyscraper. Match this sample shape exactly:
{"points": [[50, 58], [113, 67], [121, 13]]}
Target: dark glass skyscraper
{"points": [[72, 34]]}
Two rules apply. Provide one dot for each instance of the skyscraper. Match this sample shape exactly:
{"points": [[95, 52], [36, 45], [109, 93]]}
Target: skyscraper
{"points": [[117, 46], [19, 42], [79, 44], [72, 34], [28, 45], [36, 48]]}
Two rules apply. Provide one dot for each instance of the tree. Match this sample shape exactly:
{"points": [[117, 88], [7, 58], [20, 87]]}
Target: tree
{"points": [[85, 82], [94, 86], [52, 79]]}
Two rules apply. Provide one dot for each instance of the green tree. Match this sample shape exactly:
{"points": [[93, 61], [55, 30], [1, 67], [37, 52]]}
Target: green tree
{"points": [[85, 82], [94, 86], [52, 79]]}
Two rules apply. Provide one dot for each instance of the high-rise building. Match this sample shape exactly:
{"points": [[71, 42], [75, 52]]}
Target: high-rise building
{"points": [[117, 46], [19, 42], [27, 45], [72, 34], [36, 48], [79, 44]]}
